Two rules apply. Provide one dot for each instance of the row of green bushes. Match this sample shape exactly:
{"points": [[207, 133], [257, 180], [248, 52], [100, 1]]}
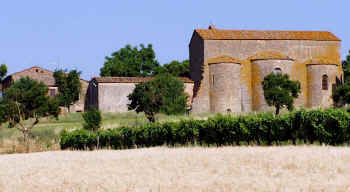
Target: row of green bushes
{"points": [[331, 126]]}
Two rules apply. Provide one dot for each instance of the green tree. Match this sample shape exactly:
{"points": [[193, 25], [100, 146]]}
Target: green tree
{"points": [[176, 68], [69, 87], [131, 62], [3, 72], [280, 91], [164, 94], [346, 68], [92, 119], [341, 95], [27, 99]]}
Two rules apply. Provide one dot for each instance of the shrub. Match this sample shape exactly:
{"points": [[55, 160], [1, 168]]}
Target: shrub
{"points": [[329, 126], [92, 119]]}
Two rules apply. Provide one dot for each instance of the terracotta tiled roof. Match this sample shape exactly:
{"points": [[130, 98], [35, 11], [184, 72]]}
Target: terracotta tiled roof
{"points": [[131, 79], [218, 34]]}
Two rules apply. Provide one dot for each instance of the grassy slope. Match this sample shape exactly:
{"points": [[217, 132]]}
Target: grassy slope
{"points": [[46, 132], [301, 168]]}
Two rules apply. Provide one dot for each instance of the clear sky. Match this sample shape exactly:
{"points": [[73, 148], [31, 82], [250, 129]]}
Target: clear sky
{"points": [[78, 34]]}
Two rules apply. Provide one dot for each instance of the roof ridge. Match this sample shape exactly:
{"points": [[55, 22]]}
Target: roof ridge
{"points": [[230, 34]]}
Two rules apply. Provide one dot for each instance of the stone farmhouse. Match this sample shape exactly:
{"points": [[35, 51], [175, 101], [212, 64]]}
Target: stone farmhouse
{"points": [[46, 76], [109, 94], [227, 67]]}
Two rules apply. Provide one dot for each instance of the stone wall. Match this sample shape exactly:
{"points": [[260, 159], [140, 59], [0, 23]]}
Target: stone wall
{"points": [[297, 51], [317, 96], [225, 92], [262, 68], [199, 75], [112, 97], [80, 106]]}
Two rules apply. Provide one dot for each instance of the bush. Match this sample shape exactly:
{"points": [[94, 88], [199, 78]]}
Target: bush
{"points": [[329, 126], [92, 119]]}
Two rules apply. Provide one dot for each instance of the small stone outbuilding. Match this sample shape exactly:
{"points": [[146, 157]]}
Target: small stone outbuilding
{"points": [[46, 76], [109, 94], [227, 67]]}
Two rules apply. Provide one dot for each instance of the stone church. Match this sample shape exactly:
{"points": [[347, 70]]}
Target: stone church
{"points": [[227, 67]]}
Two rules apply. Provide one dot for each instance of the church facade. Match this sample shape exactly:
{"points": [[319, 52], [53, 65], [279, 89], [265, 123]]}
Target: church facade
{"points": [[227, 67]]}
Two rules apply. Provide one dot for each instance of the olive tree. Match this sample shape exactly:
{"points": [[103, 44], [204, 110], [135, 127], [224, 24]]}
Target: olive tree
{"points": [[280, 91], [164, 94], [27, 100]]}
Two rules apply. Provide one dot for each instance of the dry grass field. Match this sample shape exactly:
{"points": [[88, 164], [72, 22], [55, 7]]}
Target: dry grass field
{"points": [[301, 168]]}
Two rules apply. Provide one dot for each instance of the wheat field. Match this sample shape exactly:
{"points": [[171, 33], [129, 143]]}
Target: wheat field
{"points": [[288, 168]]}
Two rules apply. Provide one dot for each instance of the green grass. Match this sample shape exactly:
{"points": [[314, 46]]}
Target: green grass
{"points": [[45, 135], [50, 127]]}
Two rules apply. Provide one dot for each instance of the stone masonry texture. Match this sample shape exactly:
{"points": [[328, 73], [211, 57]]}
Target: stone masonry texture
{"points": [[305, 56]]}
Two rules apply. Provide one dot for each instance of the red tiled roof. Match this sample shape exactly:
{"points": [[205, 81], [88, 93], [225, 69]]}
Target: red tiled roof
{"points": [[132, 79], [218, 34]]}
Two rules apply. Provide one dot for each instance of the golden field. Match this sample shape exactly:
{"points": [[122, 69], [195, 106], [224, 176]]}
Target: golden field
{"points": [[287, 168]]}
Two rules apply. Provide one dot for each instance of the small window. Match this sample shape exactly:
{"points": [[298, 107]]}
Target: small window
{"points": [[324, 82], [277, 70], [52, 92], [37, 70]]}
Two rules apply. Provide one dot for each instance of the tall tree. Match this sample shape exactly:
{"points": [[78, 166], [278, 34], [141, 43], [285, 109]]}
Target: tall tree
{"points": [[341, 95], [346, 68], [164, 94], [3, 71], [176, 68], [27, 99], [131, 62], [69, 87], [280, 91]]}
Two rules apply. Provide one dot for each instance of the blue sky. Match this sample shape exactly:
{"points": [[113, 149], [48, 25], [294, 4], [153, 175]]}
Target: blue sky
{"points": [[79, 34]]}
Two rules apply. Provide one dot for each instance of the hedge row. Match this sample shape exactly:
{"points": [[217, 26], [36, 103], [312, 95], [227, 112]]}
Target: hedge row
{"points": [[331, 126]]}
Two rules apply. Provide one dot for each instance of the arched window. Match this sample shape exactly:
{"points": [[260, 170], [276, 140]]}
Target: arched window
{"points": [[277, 70], [324, 82]]}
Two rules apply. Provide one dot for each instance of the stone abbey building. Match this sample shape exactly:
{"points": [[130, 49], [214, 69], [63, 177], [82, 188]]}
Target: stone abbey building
{"points": [[227, 67]]}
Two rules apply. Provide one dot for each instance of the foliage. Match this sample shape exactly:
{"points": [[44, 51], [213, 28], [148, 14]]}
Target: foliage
{"points": [[346, 68], [341, 95], [24, 100], [92, 119], [280, 91], [330, 126], [69, 87], [164, 94], [176, 68], [3, 71], [131, 62]]}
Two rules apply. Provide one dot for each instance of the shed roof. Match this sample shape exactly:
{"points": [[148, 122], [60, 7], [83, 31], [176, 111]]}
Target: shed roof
{"points": [[132, 79], [218, 34]]}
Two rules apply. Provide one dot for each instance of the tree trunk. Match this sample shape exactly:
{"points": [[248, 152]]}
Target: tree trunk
{"points": [[98, 142], [277, 110], [26, 139]]}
